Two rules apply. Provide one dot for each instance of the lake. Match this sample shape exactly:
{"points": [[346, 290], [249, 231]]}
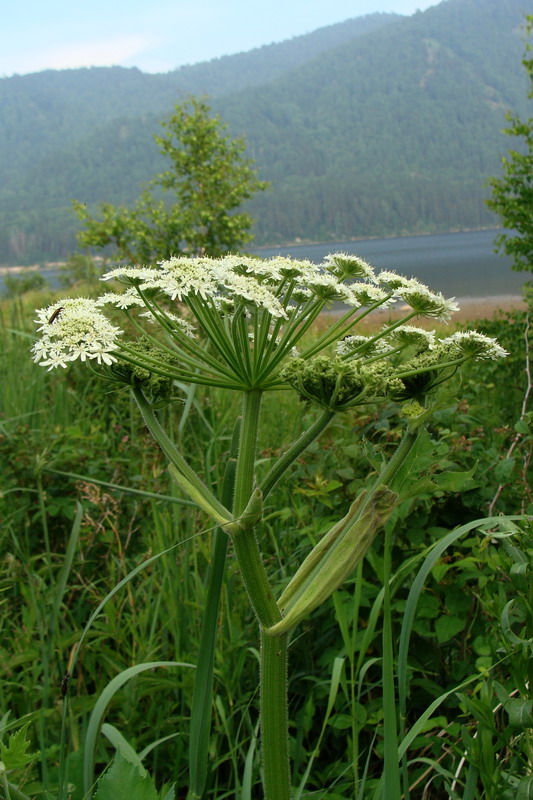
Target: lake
{"points": [[456, 264]]}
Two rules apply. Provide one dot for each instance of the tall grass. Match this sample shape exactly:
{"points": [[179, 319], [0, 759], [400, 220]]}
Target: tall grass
{"points": [[86, 499]]}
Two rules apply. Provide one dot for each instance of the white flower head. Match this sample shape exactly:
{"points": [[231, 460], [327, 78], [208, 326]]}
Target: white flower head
{"points": [[292, 268], [362, 346], [363, 294], [393, 280], [474, 345], [131, 276], [253, 292], [74, 328], [410, 335], [345, 265], [264, 270], [123, 300], [427, 303], [325, 286], [180, 276]]}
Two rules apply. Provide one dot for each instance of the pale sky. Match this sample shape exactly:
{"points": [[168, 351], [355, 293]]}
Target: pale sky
{"points": [[161, 35]]}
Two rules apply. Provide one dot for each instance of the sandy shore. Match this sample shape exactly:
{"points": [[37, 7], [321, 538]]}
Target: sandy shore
{"points": [[472, 308]]}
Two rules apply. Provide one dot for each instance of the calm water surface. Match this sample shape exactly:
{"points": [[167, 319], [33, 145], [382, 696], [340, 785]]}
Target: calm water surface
{"points": [[456, 264]]}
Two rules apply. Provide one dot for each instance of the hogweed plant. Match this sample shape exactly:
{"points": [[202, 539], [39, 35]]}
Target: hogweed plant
{"points": [[240, 323]]}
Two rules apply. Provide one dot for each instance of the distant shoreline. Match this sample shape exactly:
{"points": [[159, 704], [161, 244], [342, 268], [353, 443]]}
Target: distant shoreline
{"points": [[17, 268], [311, 242]]}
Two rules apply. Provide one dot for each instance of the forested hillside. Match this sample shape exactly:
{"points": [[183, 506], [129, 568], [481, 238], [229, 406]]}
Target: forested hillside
{"points": [[380, 125]]}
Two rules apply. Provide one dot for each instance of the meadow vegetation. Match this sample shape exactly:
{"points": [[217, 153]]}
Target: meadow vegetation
{"points": [[86, 499]]}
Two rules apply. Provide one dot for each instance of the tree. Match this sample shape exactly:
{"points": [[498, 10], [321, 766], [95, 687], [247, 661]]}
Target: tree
{"points": [[512, 194], [209, 179]]}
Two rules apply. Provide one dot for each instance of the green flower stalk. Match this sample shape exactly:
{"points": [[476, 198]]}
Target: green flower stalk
{"points": [[240, 323]]}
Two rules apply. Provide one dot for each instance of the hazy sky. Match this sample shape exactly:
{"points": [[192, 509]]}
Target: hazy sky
{"points": [[160, 35]]}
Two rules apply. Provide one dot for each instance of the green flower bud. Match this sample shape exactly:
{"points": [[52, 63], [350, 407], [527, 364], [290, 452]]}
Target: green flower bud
{"points": [[336, 385], [157, 388]]}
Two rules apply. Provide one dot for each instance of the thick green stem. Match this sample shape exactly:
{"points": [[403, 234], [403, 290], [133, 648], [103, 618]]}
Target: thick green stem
{"points": [[288, 458], [274, 717], [273, 682], [255, 578], [244, 478]]}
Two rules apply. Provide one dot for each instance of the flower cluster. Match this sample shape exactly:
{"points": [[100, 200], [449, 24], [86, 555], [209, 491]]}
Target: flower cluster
{"points": [[250, 318], [71, 329], [337, 385]]}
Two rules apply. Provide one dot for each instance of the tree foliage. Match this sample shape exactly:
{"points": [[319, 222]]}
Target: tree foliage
{"points": [[512, 194], [208, 180]]}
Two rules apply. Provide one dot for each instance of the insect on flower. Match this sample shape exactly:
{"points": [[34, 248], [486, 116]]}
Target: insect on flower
{"points": [[55, 315]]}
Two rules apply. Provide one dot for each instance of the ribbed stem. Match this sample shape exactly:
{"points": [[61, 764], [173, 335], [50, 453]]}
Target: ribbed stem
{"points": [[301, 444], [255, 578], [244, 478], [274, 717], [273, 680]]}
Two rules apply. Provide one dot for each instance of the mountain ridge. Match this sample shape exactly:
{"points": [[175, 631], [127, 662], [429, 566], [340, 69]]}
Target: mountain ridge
{"points": [[392, 130]]}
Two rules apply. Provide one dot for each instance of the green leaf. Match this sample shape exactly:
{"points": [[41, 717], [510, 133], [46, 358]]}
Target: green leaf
{"points": [[125, 780], [454, 481], [520, 713], [121, 745], [524, 790], [504, 470], [447, 627], [522, 427], [15, 754], [341, 722]]}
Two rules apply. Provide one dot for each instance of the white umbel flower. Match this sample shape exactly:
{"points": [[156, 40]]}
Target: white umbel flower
{"points": [[392, 279], [410, 335], [180, 276], [132, 276], [71, 329], [364, 294], [474, 345], [123, 300], [427, 303], [251, 291], [345, 265], [362, 346]]}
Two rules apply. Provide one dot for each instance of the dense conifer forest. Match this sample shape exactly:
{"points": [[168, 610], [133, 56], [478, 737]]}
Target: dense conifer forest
{"points": [[379, 125]]}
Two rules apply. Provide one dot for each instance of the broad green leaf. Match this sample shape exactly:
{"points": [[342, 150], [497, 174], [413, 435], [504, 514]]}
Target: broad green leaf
{"points": [[15, 753], [447, 627], [341, 722], [520, 713], [524, 790], [454, 481], [504, 470], [125, 780]]}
